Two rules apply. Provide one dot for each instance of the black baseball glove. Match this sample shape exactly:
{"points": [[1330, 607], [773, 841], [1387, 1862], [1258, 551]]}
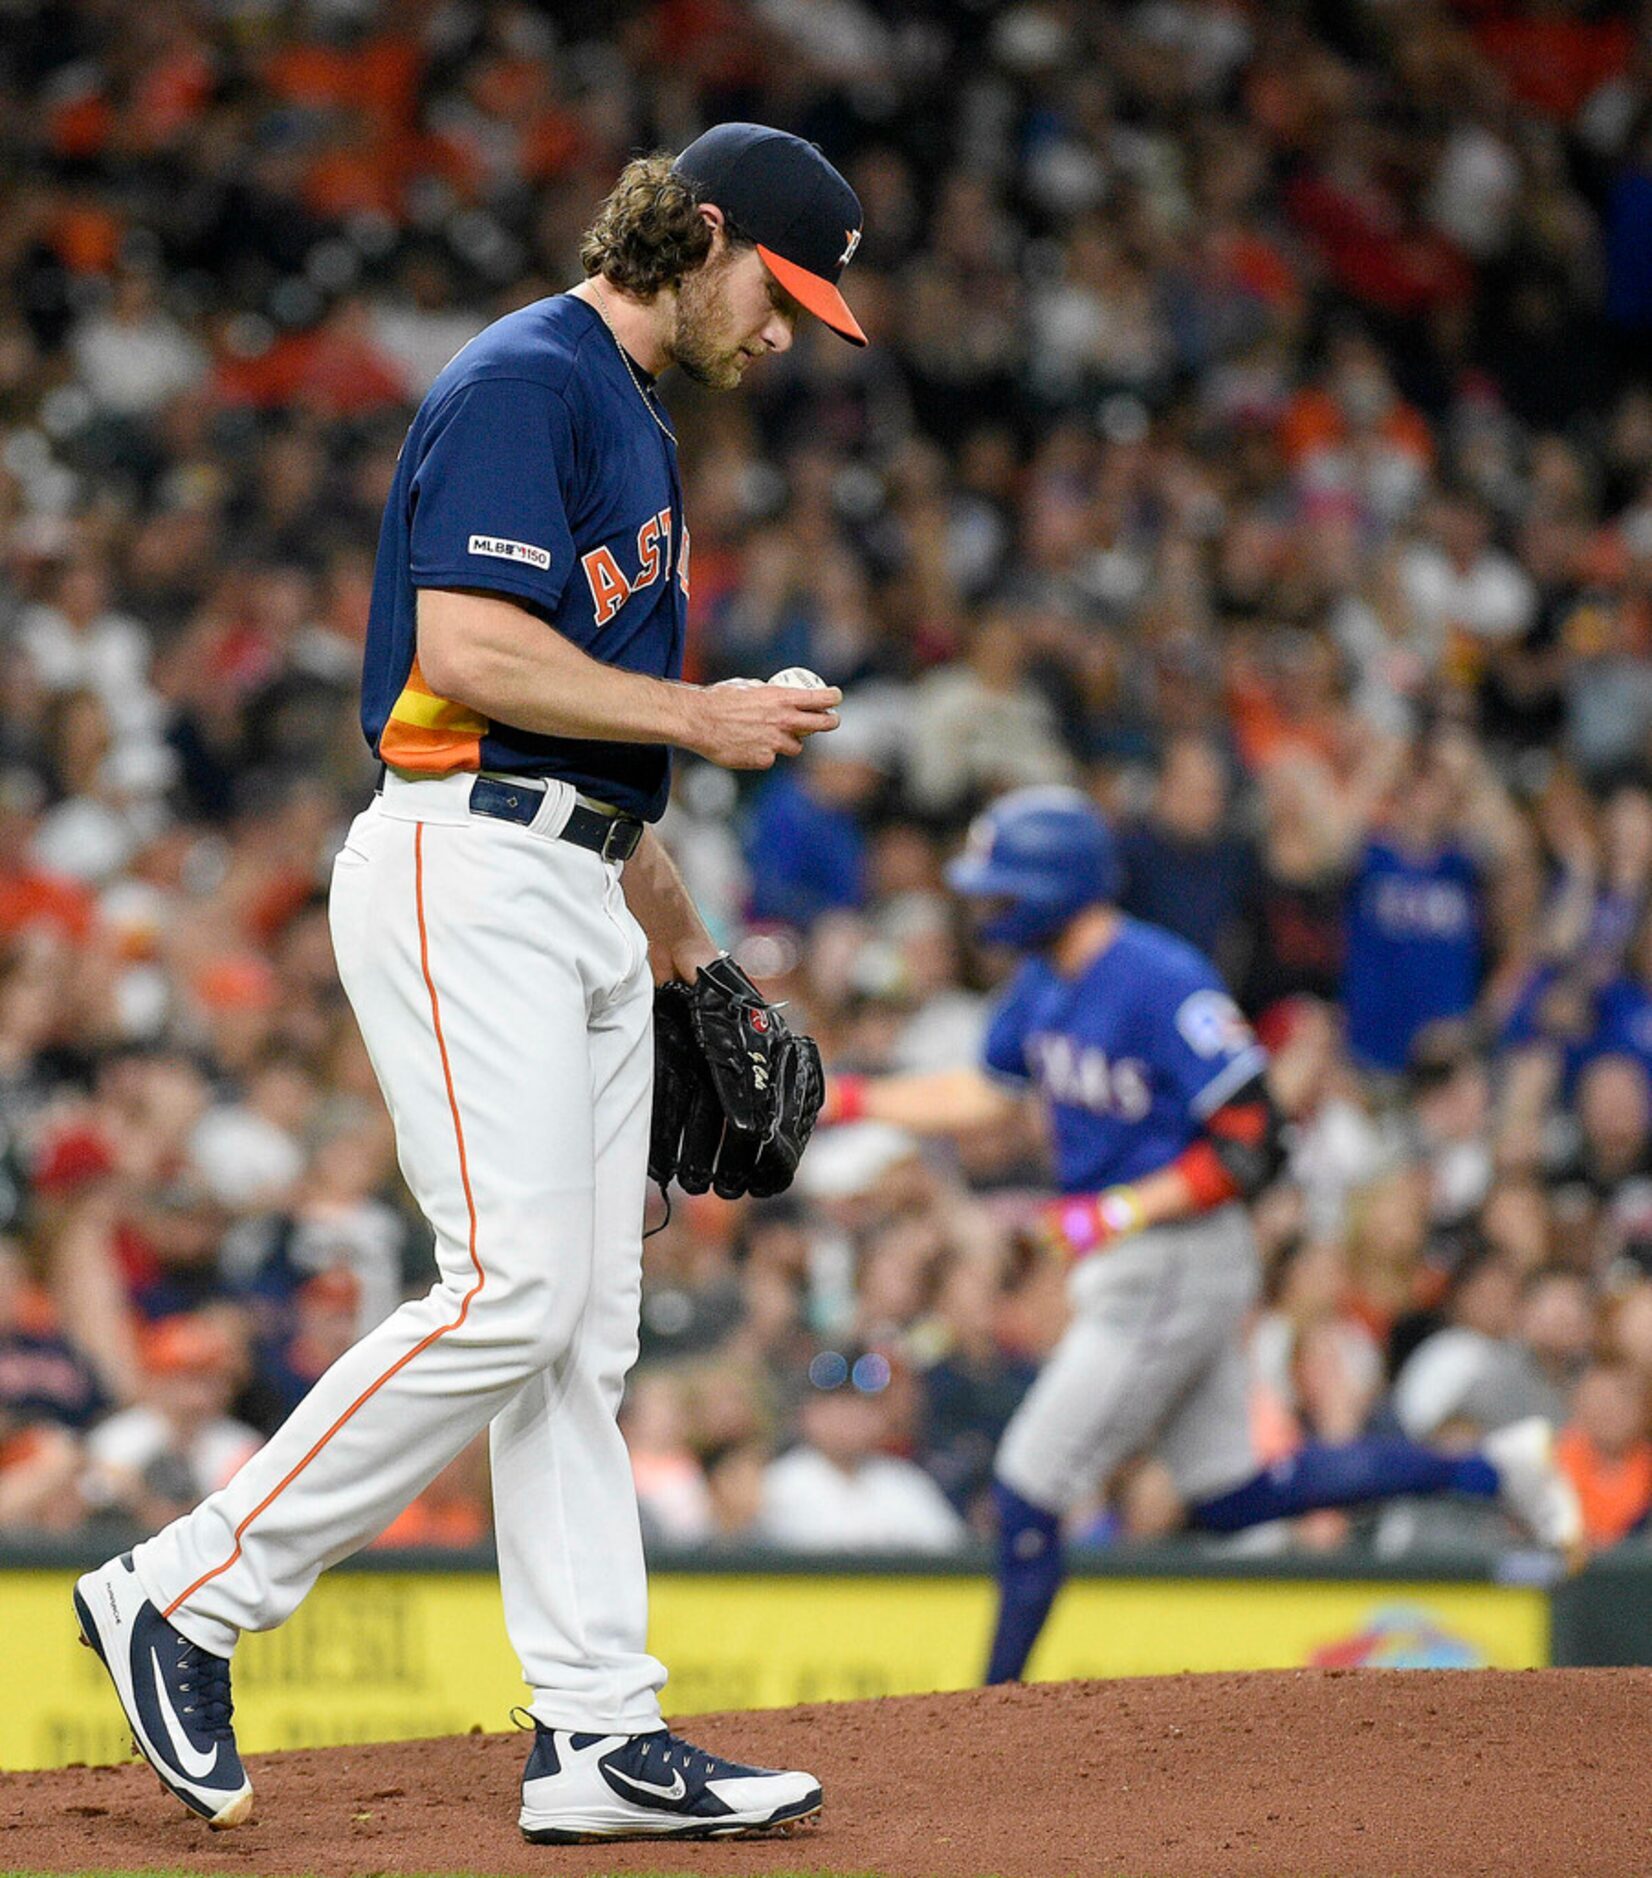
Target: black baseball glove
{"points": [[736, 1091]]}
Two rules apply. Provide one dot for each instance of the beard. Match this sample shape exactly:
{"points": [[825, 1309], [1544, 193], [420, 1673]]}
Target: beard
{"points": [[699, 343]]}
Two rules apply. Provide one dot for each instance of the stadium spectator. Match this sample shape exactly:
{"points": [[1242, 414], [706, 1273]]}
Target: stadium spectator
{"points": [[734, 1481], [979, 725], [806, 846], [672, 1494], [1607, 1454], [1415, 926], [179, 1442], [1294, 924], [1318, 1368], [454, 1513], [1606, 1183], [49, 1397], [837, 1490], [1474, 1376], [1449, 1107], [972, 1384], [1184, 868]]}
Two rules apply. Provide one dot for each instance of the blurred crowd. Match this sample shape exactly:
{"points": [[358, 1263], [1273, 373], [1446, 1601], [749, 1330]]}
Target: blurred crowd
{"points": [[1256, 432]]}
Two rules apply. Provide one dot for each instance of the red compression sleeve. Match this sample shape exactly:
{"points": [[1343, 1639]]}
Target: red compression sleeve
{"points": [[1207, 1179], [1229, 1160]]}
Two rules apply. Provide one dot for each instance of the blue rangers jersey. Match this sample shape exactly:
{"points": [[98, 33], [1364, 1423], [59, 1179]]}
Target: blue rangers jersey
{"points": [[1130, 1056], [1414, 943]]}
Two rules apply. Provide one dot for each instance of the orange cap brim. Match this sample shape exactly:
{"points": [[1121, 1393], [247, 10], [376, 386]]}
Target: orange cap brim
{"points": [[816, 293]]}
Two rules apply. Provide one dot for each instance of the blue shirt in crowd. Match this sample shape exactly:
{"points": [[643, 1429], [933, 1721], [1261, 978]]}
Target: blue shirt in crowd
{"points": [[1414, 948], [1618, 1022], [806, 856]]}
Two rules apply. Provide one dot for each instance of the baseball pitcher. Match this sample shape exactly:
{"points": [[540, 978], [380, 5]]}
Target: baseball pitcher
{"points": [[1162, 1127], [501, 914]]}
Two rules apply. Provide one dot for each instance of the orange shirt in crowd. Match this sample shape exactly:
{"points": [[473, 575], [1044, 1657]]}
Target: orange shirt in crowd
{"points": [[1615, 1492], [29, 898], [1314, 422], [453, 1525], [381, 77], [1265, 733], [337, 372]]}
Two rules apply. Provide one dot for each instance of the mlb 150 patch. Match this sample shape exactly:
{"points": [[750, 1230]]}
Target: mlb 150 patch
{"points": [[503, 550]]}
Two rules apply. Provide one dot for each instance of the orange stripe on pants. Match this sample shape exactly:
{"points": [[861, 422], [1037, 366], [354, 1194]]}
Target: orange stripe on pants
{"points": [[424, 1343]]}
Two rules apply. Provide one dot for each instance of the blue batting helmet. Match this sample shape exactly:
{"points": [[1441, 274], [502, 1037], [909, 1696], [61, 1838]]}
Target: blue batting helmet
{"points": [[1047, 853]]}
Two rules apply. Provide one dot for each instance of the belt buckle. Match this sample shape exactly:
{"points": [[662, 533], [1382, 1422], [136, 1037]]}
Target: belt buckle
{"points": [[620, 840]]}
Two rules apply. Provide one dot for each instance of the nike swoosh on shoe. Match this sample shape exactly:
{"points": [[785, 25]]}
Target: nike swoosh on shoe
{"points": [[674, 1792], [194, 1761]]}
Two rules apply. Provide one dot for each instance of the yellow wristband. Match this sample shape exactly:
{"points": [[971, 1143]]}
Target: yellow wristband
{"points": [[1121, 1211]]}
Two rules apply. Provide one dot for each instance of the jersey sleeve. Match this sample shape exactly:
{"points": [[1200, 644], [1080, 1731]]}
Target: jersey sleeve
{"points": [[489, 496], [1204, 1047], [1004, 1049]]}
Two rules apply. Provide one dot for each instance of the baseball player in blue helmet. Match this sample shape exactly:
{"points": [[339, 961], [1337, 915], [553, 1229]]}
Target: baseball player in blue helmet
{"points": [[1162, 1128], [1042, 855]]}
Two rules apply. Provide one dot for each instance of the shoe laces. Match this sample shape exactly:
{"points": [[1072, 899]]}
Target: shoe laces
{"points": [[204, 1679], [671, 1753]]}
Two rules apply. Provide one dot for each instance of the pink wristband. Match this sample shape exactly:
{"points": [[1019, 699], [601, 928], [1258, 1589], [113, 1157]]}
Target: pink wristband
{"points": [[1079, 1223]]}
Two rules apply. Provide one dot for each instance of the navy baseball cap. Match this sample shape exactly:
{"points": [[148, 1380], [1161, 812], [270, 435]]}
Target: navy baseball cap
{"points": [[784, 195]]}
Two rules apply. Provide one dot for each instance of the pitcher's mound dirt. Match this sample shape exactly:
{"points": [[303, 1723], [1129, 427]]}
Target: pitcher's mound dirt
{"points": [[1310, 1774]]}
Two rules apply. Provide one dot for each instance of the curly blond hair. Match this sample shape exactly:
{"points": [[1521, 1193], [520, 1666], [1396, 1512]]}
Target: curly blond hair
{"points": [[649, 233]]}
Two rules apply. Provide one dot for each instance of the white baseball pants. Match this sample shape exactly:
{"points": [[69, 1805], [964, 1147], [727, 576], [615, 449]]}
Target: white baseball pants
{"points": [[502, 987], [1153, 1360]]}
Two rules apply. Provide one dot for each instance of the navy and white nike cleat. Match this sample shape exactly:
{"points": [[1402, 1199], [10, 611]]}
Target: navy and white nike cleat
{"points": [[579, 1787], [175, 1694]]}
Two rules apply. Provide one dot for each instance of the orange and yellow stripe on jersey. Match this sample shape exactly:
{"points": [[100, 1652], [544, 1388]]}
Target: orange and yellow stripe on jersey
{"points": [[428, 735]]}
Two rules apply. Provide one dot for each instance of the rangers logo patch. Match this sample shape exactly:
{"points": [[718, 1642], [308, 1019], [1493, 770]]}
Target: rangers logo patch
{"points": [[1213, 1024], [503, 550]]}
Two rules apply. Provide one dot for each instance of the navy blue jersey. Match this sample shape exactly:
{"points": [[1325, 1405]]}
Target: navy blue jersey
{"points": [[1130, 1056], [1413, 949], [533, 470]]}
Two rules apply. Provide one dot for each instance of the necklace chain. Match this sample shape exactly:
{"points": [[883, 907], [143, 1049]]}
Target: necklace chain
{"points": [[630, 370]]}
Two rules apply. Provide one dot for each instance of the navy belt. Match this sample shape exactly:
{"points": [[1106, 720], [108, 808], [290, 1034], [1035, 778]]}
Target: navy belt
{"points": [[614, 837]]}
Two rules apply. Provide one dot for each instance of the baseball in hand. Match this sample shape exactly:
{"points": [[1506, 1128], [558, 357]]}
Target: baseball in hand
{"points": [[800, 678]]}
